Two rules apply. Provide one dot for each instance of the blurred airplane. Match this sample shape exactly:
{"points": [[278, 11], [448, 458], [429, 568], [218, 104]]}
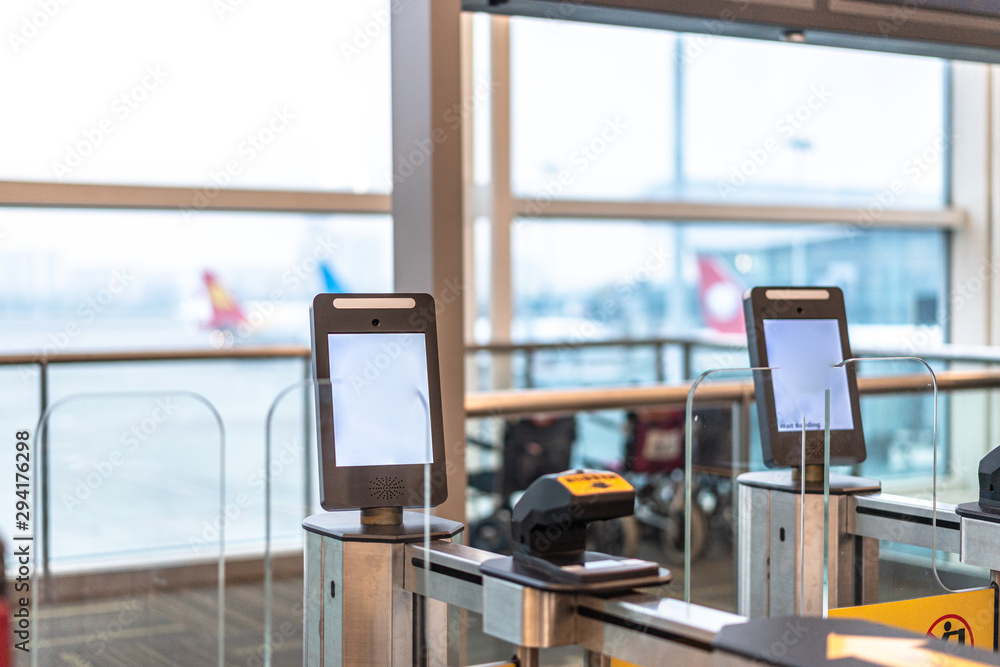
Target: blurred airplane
{"points": [[720, 296], [331, 284], [227, 313], [276, 320]]}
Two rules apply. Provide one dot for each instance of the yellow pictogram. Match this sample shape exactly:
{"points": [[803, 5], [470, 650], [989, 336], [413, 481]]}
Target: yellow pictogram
{"points": [[953, 628], [589, 483]]}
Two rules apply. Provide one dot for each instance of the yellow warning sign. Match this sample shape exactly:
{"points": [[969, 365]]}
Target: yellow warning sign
{"points": [[892, 652], [968, 618], [588, 483]]}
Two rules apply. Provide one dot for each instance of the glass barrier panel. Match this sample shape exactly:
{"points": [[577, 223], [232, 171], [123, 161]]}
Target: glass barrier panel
{"points": [[372, 549], [815, 428], [793, 554], [900, 413], [713, 444], [290, 495], [128, 530]]}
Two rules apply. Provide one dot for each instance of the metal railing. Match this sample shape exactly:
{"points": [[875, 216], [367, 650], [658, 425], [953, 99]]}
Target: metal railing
{"points": [[687, 343], [44, 362], [505, 403], [533, 401], [736, 343]]}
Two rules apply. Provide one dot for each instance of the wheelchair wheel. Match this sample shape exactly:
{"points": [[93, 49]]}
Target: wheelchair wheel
{"points": [[492, 533], [617, 537], [672, 538]]}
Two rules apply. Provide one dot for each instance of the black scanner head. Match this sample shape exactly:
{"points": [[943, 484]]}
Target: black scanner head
{"points": [[550, 519], [989, 482]]}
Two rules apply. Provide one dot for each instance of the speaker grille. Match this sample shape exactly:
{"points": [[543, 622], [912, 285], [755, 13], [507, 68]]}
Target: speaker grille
{"points": [[386, 488]]}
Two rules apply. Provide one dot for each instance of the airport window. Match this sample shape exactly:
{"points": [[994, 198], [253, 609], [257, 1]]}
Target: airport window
{"points": [[604, 127], [653, 115], [653, 122], [291, 95], [628, 279], [145, 280], [673, 118], [195, 195]]}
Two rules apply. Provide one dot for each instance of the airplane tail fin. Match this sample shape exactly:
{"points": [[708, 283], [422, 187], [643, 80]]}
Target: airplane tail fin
{"points": [[330, 282], [720, 296], [226, 310]]}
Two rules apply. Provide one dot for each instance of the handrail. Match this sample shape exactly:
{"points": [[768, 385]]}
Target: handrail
{"points": [[970, 353], [714, 341], [247, 352], [531, 401], [528, 401], [959, 353]]}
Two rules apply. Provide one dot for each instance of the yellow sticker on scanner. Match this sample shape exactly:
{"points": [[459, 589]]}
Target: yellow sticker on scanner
{"points": [[589, 483]]}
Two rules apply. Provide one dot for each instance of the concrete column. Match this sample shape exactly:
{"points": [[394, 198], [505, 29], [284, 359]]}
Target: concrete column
{"points": [[427, 118]]}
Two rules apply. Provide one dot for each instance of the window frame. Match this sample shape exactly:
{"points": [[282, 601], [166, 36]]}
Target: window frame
{"points": [[503, 207]]}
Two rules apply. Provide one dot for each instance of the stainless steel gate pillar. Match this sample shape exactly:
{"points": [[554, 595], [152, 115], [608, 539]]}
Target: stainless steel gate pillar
{"points": [[779, 572], [357, 610]]}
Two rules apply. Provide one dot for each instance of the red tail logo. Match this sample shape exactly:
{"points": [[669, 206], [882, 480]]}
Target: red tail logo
{"points": [[226, 311], [720, 296]]}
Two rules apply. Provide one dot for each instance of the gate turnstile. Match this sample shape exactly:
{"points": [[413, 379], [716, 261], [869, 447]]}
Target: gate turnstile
{"points": [[386, 595], [357, 611]]}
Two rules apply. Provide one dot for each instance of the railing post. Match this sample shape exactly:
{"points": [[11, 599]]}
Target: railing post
{"points": [[306, 435], [43, 470], [660, 374]]}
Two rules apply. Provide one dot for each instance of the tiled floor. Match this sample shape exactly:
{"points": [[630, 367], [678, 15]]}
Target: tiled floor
{"points": [[176, 628]]}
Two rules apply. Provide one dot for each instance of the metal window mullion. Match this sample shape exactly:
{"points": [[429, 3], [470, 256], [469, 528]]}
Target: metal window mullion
{"points": [[210, 198], [970, 297], [945, 218], [502, 199]]}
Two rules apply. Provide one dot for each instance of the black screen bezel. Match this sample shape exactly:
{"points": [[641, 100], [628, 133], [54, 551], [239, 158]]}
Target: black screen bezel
{"points": [[350, 487], [784, 449]]}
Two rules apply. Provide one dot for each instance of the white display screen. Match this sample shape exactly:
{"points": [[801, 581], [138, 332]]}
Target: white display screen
{"points": [[381, 402], [803, 353]]}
